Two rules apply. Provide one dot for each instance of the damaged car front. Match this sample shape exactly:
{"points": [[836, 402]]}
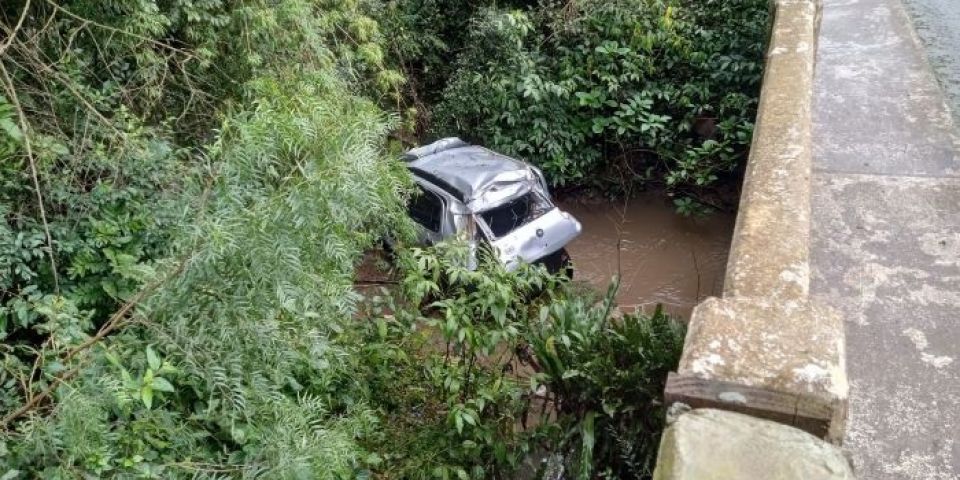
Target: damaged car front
{"points": [[497, 200]]}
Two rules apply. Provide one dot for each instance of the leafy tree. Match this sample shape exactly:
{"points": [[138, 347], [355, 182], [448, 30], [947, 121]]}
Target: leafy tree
{"points": [[187, 187], [621, 92]]}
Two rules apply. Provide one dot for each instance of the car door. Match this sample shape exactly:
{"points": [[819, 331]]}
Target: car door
{"points": [[426, 208]]}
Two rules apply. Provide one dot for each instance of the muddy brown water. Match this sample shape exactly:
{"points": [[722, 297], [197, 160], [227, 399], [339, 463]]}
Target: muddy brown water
{"points": [[662, 257]]}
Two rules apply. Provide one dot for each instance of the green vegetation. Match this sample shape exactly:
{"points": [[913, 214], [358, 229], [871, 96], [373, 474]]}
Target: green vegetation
{"points": [[506, 366], [188, 186], [602, 93]]}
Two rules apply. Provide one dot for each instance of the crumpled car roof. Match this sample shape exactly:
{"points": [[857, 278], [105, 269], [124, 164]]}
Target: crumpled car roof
{"points": [[467, 169]]}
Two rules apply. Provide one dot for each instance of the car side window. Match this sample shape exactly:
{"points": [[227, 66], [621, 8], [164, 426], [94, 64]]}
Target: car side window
{"points": [[426, 208]]}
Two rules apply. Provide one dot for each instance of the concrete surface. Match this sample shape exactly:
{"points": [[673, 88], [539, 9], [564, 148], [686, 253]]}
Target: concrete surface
{"points": [[769, 255], [938, 24], [886, 238], [764, 333], [794, 347], [710, 444]]}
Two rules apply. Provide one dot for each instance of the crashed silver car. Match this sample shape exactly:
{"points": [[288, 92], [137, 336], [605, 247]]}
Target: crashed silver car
{"points": [[481, 196]]}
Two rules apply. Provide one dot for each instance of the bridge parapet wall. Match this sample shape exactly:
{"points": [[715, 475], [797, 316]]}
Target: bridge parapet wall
{"points": [[764, 366]]}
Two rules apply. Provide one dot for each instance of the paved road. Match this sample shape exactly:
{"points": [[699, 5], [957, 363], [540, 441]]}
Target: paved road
{"points": [[886, 229], [937, 22]]}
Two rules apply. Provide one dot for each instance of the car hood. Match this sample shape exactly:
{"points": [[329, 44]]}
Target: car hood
{"points": [[503, 188]]}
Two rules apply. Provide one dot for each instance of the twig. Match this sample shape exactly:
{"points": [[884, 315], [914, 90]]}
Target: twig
{"points": [[16, 28], [36, 399], [371, 283], [8, 86], [207, 467], [41, 66], [696, 266], [37, 362], [117, 30]]}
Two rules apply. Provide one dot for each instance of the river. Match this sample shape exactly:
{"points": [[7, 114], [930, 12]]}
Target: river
{"points": [[662, 257]]}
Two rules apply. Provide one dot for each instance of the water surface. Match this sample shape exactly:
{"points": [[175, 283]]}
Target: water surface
{"points": [[661, 257]]}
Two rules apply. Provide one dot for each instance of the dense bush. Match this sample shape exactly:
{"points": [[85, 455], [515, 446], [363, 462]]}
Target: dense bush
{"points": [[228, 366], [186, 189], [613, 92], [424, 39], [119, 101], [502, 368]]}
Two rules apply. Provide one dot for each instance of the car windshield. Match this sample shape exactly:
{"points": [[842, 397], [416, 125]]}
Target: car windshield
{"points": [[514, 214]]}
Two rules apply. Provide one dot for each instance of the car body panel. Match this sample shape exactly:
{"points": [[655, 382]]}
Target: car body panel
{"points": [[472, 180], [537, 239]]}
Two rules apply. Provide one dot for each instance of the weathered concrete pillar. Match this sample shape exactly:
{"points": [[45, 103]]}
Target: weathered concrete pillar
{"points": [[717, 445], [774, 359], [765, 349]]}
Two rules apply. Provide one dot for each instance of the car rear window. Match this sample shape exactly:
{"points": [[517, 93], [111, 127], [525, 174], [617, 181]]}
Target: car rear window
{"points": [[515, 214]]}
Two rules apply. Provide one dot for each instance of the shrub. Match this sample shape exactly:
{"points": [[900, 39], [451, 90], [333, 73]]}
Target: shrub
{"points": [[505, 367], [613, 92], [607, 377], [226, 363]]}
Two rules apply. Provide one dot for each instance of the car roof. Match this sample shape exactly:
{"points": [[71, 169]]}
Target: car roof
{"points": [[461, 169]]}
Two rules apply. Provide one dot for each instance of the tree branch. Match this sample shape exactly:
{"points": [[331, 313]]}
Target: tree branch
{"points": [[117, 320], [117, 30], [16, 28]]}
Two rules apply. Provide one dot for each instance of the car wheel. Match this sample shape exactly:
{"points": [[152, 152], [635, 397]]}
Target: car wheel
{"points": [[559, 262]]}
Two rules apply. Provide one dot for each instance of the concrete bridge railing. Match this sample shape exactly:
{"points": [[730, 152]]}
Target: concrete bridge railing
{"points": [[763, 367]]}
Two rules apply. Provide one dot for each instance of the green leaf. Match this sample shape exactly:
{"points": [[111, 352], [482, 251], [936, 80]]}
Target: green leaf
{"points": [[166, 367], [152, 359], [468, 416], [11, 474], [146, 395], [162, 385], [588, 441], [11, 129], [382, 329]]}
